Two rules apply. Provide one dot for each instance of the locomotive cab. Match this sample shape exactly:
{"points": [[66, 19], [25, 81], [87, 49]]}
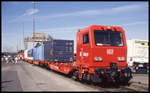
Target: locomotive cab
{"points": [[102, 52]]}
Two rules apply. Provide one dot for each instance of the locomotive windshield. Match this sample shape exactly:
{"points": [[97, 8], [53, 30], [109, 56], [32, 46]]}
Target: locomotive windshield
{"points": [[108, 38]]}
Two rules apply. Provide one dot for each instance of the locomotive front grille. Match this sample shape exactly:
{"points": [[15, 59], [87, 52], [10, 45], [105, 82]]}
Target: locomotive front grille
{"points": [[114, 66]]}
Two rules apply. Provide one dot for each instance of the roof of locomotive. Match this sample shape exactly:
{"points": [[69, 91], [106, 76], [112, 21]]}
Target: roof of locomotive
{"points": [[105, 27]]}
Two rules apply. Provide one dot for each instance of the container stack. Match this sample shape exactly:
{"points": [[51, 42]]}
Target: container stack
{"points": [[55, 51]]}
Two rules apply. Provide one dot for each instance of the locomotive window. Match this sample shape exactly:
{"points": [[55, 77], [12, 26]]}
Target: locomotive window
{"points": [[85, 38], [108, 38]]}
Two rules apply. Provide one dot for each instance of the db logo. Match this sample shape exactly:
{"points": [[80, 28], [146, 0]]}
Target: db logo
{"points": [[110, 51]]}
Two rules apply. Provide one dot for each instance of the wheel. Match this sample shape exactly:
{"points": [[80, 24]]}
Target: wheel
{"points": [[32, 62], [75, 75]]}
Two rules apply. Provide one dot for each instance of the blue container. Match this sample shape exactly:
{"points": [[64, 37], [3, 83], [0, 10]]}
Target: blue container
{"points": [[55, 51], [41, 53], [59, 51], [35, 55]]}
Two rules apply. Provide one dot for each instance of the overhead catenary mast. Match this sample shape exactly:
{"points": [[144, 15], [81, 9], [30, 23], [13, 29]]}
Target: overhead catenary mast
{"points": [[20, 42], [36, 37], [23, 34], [17, 43], [33, 20], [5, 28]]}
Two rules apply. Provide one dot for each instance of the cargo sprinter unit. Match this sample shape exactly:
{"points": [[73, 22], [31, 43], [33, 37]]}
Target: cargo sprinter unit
{"points": [[54, 51], [28, 55], [101, 55], [137, 55]]}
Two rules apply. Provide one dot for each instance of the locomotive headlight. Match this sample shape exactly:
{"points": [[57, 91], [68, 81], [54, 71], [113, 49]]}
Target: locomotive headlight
{"points": [[121, 59], [100, 58], [96, 59]]}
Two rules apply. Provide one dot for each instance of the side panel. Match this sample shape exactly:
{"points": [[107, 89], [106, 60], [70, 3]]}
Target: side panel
{"points": [[85, 50], [41, 53], [79, 42], [59, 51], [35, 53], [48, 52], [38, 53], [63, 50], [25, 54], [65, 68]]}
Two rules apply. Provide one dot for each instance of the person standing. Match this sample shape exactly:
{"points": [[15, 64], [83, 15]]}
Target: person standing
{"points": [[16, 59], [13, 59], [6, 59]]}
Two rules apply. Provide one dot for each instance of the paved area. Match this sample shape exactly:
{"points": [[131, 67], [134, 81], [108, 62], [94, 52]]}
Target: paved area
{"points": [[140, 82], [141, 78], [28, 77]]}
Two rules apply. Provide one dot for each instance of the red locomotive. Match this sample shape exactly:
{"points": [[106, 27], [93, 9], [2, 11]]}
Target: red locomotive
{"points": [[101, 56]]}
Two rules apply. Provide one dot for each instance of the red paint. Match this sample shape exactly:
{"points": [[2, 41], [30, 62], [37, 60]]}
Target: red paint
{"points": [[93, 50], [43, 62], [21, 55], [65, 68], [29, 60], [36, 62]]}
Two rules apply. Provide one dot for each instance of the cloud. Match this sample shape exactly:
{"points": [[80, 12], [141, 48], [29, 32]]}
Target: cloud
{"points": [[134, 23], [120, 9], [61, 32], [60, 29], [128, 8], [70, 32], [31, 11], [108, 11], [9, 49], [25, 16]]}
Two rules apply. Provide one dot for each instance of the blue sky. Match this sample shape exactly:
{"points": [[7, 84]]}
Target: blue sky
{"points": [[62, 19]]}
